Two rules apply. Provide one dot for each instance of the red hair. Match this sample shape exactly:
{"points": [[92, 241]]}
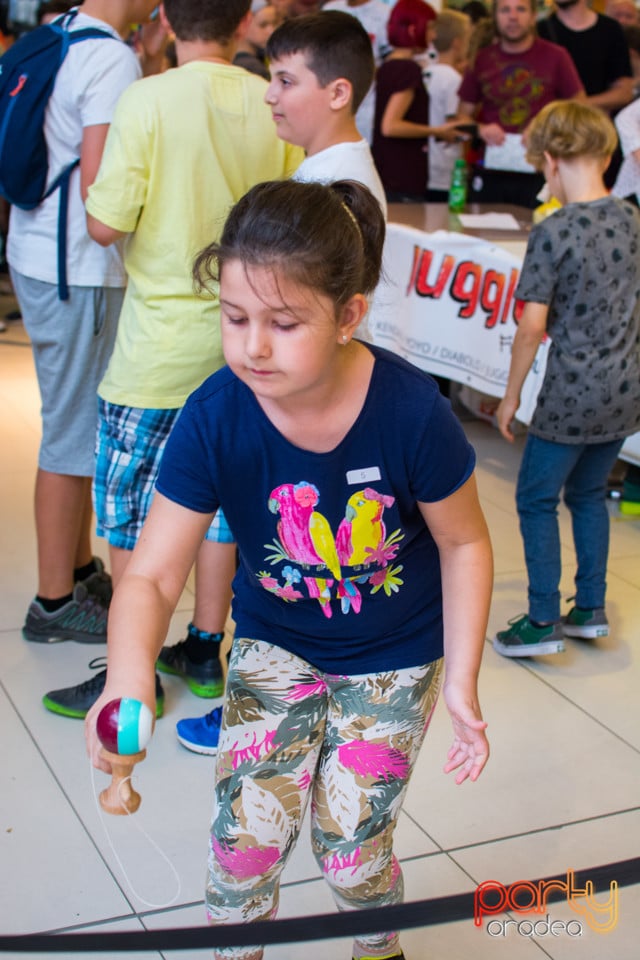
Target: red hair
{"points": [[408, 23]]}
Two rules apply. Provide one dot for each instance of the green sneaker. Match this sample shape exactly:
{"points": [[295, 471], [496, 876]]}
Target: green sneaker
{"points": [[630, 498], [585, 624], [522, 639], [77, 701], [204, 678]]}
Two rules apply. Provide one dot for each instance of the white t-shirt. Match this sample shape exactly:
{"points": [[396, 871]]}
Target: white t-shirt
{"points": [[344, 161], [87, 88], [628, 125], [373, 16], [442, 83]]}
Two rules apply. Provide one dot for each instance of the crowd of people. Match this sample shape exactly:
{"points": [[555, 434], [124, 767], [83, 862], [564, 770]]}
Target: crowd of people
{"points": [[225, 229]]}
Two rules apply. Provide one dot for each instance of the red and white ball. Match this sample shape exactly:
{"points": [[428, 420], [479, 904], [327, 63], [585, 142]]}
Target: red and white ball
{"points": [[124, 726]]}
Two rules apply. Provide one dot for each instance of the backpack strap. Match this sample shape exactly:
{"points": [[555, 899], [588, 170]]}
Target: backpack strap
{"points": [[61, 182]]}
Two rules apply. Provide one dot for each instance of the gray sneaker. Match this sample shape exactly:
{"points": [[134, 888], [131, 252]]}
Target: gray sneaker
{"points": [[83, 619], [99, 584], [585, 624]]}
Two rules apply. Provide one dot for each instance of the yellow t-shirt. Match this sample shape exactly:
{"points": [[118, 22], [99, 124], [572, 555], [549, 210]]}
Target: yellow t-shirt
{"points": [[183, 147]]}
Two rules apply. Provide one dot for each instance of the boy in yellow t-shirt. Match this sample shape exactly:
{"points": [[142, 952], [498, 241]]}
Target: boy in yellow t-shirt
{"points": [[182, 149]]}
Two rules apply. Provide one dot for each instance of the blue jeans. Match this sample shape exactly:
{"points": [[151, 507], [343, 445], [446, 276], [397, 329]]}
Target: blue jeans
{"points": [[582, 469]]}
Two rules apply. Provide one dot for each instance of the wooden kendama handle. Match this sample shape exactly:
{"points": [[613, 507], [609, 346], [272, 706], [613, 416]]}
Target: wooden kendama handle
{"points": [[119, 797]]}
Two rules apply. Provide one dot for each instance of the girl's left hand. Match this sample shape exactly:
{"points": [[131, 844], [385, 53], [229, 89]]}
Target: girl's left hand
{"points": [[470, 749]]}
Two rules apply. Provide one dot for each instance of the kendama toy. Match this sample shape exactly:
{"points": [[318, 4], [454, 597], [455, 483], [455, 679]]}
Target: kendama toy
{"points": [[124, 729]]}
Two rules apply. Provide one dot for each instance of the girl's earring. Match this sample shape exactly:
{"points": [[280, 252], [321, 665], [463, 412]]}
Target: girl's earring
{"points": [[345, 338]]}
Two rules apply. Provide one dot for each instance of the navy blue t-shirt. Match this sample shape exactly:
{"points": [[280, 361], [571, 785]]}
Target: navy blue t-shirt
{"points": [[336, 562]]}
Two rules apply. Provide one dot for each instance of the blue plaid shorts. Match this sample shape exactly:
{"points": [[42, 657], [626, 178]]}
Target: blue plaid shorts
{"points": [[129, 446]]}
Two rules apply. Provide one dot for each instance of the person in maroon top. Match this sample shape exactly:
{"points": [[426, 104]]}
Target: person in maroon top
{"points": [[401, 120], [509, 83]]}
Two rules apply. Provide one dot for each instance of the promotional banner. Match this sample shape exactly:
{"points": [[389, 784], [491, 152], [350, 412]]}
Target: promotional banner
{"points": [[447, 303]]}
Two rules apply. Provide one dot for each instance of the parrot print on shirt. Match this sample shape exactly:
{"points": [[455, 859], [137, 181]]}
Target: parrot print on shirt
{"points": [[331, 565]]}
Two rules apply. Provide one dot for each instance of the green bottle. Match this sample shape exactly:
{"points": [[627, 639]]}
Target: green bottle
{"points": [[458, 188]]}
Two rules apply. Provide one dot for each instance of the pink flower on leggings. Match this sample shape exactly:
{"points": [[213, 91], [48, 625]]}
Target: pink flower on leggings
{"points": [[302, 690], [373, 760], [243, 864]]}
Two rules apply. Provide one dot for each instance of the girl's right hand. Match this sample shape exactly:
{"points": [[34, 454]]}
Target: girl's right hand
{"points": [[91, 732]]}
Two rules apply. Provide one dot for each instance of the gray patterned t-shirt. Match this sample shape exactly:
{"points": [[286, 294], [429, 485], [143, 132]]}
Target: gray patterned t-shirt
{"points": [[584, 262]]}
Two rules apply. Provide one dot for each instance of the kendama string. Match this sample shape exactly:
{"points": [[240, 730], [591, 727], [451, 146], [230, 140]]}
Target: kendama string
{"points": [[143, 833]]}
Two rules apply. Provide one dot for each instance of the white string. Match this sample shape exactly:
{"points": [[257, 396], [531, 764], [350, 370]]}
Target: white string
{"points": [[163, 855]]}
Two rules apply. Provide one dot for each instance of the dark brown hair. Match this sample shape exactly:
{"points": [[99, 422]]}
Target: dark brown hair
{"points": [[215, 20], [334, 44], [327, 237]]}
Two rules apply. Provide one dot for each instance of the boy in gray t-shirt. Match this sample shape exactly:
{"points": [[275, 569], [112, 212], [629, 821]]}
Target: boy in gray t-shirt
{"points": [[580, 282]]}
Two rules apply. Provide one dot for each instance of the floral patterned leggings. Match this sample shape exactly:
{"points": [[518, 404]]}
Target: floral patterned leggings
{"points": [[289, 733]]}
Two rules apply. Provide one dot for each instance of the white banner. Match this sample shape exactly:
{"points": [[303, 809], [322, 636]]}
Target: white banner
{"points": [[447, 304]]}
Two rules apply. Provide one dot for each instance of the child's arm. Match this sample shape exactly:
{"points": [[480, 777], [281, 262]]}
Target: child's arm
{"points": [[531, 329], [393, 123], [91, 150], [142, 605], [101, 233], [458, 527]]}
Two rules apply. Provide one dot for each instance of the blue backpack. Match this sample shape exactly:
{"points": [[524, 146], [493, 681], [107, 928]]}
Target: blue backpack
{"points": [[27, 75]]}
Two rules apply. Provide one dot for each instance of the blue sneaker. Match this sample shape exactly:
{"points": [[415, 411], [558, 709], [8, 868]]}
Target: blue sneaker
{"points": [[201, 734]]}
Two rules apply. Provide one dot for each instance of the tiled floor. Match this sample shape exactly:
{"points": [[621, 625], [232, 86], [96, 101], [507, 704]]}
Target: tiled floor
{"points": [[561, 791]]}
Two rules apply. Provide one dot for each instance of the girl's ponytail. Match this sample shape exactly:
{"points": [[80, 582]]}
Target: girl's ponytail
{"points": [[365, 209]]}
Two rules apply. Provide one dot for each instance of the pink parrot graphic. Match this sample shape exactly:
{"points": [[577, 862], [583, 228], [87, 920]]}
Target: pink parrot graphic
{"points": [[305, 534]]}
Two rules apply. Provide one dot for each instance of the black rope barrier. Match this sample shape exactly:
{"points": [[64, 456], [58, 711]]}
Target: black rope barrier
{"points": [[419, 913]]}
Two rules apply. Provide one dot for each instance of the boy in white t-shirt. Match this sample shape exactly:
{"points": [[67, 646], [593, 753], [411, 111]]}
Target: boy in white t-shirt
{"points": [[452, 32], [321, 68], [72, 338]]}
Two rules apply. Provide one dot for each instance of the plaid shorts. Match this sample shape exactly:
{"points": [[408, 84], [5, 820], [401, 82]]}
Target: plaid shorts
{"points": [[129, 446]]}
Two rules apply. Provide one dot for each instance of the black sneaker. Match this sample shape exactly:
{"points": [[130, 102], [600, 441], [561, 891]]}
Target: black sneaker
{"points": [[83, 619], [203, 679], [77, 701], [99, 584]]}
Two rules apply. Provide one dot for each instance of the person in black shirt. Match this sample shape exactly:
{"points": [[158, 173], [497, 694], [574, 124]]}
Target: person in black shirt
{"points": [[598, 49]]}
